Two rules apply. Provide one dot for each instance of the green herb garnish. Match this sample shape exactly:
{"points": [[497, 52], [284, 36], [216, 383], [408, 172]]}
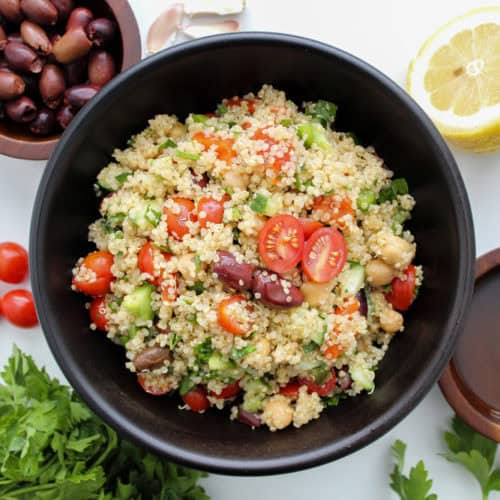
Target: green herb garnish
{"points": [[169, 143], [237, 354], [121, 178], [310, 347], [323, 111], [187, 156], [173, 340], [203, 350], [221, 109], [186, 385], [395, 188], [197, 287], [286, 122], [199, 118], [366, 199], [152, 216], [259, 203]]}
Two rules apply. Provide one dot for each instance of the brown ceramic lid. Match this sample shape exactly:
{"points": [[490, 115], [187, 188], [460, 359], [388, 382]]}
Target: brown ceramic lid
{"points": [[471, 381]]}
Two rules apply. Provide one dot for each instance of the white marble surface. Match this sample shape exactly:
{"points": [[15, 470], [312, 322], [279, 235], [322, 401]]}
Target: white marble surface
{"points": [[386, 33]]}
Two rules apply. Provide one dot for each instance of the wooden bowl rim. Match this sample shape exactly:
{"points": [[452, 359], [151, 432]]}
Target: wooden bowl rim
{"points": [[449, 382], [41, 149]]}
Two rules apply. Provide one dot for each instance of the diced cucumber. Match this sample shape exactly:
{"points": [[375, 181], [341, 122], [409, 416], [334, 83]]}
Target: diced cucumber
{"points": [[319, 335], [146, 216], [363, 377], [138, 302], [255, 393], [353, 279], [217, 362], [313, 133], [112, 177], [266, 205]]}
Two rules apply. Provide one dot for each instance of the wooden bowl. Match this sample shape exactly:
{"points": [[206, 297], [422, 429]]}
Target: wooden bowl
{"points": [[15, 141]]}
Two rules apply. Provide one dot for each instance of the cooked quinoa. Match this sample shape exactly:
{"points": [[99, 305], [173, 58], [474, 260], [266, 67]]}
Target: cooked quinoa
{"points": [[254, 259]]}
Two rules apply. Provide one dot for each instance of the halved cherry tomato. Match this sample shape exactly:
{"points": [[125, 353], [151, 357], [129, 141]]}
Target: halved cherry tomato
{"points": [[281, 241], [246, 125], [350, 307], [322, 390], [330, 209], [325, 255], [213, 209], [145, 260], [98, 313], [150, 389], [169, 284], [402, 292], [228, 320], [197, 399], [176, 222], [291, 390], [309, 226], [229, 392], [238, 101], [224, 147], [332, 352], [13, 262], [99, 263]]}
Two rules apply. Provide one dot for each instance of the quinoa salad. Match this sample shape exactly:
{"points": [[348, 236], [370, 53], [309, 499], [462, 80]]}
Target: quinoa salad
{"points": [[253, 259]]}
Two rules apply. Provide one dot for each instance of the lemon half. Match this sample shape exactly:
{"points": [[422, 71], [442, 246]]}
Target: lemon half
{"points": [[456, 79]]}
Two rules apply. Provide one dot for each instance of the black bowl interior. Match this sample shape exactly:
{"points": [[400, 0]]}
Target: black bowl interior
{"points": [[193, 77]]}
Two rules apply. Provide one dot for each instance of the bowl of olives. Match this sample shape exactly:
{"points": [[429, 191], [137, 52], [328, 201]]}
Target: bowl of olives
{"points": [[55, 56]]}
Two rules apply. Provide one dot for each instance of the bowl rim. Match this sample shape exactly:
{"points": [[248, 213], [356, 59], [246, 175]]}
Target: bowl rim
{"points": [[330, 451], [132, 51]]}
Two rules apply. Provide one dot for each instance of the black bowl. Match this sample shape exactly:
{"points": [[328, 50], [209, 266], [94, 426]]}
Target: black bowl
{"points": [[193, 77]]}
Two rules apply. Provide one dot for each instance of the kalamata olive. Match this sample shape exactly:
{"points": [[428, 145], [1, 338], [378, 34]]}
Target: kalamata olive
{"points": [[11, 85], [22, 110], [64, 8], [2, 110], [65, 115], [78, 95], [101, 31], [151, 358], [101, 67], [248, 418], [40, 11], [15, 37], [200, 180], [3, 38], [79, 18], [22, 58], [344, 382], [44, 122], [11, 10], [35, 36], [274, 291], [73, 45], [54, 38], [52, 85], [237, 275], [363, 304], [76, 72]]}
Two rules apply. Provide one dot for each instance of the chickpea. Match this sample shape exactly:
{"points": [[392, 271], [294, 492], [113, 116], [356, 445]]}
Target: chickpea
{"points": [[378, 273], [391, 321], [235, 179], [177, 131], [278, 413], [316, 293], [397, 252]]}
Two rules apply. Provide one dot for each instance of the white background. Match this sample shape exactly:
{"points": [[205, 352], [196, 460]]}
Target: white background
{"points": [[386, 33]]}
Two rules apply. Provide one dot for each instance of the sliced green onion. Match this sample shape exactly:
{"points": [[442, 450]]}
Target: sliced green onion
{"points": [[173, 340], [121, 178], [259, 203], [237, 354], [365, 199], [187, 156], [235, 213], [169, 143], [286, 122], [199, 118], [197, 262], [152, 216]]}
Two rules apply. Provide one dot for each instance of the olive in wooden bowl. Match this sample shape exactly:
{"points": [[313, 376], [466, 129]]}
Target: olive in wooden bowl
{"points": [[55, 55]]}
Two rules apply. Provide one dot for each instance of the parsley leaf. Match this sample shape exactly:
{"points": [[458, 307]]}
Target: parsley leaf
{"points": [[474, 452], [417, 485]]}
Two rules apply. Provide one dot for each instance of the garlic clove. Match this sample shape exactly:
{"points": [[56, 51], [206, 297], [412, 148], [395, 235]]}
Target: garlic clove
{"points": [[201, 30], [219, 7], [164, 28]]}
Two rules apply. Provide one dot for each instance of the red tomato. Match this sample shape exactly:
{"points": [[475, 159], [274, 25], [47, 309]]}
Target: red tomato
{"points": [[281, 241], [19, 309], [325, 255], [13, 262], [98, 313], [333, 352], [291, 390], [238, 101], [197, 399], [99, 263], [229, 392], [169, 287], [176, 222], [145, 259], [322, 390], [272, 161], [331, 208], [228, 320], [154, 391], [402, 292], [309, 226], [214, 210], [224, 147]]}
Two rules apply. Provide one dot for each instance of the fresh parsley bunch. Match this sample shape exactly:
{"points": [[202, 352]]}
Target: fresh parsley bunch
{"points": [[52, 447]]}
